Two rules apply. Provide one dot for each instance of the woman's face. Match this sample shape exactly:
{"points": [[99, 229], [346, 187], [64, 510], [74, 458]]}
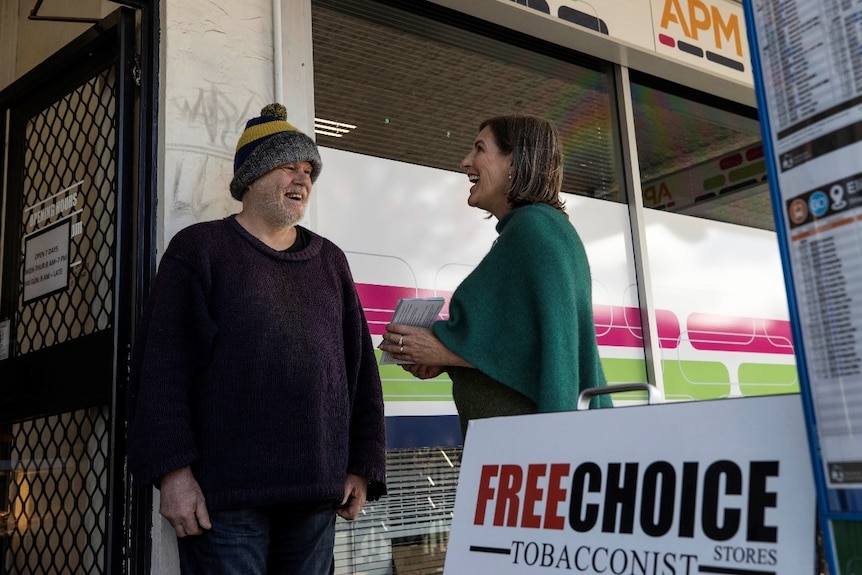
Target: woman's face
{"points": [[488, 169]]}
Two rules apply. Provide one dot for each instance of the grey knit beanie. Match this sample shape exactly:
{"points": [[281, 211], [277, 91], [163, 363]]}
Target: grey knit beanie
{"points": [[270, 141]]}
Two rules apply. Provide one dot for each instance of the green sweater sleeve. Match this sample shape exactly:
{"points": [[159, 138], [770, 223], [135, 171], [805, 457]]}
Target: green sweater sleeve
{"points": [[524, 315]]}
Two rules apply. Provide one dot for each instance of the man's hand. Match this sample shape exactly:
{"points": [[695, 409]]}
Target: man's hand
{"points": [[355, 492], [182, 503]]}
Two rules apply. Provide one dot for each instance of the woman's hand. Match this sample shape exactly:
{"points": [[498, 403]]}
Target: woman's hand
{"points": [[418, 345], [423, 371]]}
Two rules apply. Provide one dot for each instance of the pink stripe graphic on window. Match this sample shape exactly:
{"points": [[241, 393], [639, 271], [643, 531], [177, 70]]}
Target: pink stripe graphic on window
{"points": [[748, 334]]}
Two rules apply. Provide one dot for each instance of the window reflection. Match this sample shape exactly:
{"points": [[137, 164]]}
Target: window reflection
{"points": [[415, 88], [700, 158]]}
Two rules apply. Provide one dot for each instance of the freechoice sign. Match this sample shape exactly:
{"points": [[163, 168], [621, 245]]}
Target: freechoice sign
{"points": [[719, 486]]}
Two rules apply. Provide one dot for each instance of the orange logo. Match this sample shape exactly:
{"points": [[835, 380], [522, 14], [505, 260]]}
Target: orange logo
{"points": [[797, 211], [701, 17]]}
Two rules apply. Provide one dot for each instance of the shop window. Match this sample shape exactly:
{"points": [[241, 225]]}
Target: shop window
{"points": [[712, 252], [699, 156], [414, 87], [411, 82]]}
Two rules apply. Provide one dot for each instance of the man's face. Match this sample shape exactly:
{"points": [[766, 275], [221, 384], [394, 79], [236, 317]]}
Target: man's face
{"points": [[282, 194]]}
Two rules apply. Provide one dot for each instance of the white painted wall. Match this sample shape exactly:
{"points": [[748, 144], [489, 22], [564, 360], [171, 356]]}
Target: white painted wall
{"points": [[218, 74]]}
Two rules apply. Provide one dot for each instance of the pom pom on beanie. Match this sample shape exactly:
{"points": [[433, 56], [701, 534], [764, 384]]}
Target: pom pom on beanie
{"points": [[270, 141]]}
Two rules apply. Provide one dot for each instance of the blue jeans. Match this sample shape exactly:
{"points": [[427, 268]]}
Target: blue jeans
{"points": [[277, 539]]}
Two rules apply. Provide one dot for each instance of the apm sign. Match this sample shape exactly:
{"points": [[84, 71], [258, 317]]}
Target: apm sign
{"points": [[672, 489]]}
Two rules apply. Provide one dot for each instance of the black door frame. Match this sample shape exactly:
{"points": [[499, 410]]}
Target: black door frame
{"points": [[128, 544]]}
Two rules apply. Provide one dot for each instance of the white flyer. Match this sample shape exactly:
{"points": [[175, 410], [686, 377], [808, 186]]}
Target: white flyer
{"points": [[415, 311]]}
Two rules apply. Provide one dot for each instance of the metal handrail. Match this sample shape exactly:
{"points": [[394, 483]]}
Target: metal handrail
{"points": [[654, 394]]}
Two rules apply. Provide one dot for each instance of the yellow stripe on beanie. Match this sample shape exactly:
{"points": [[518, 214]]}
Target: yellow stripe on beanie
{"points": [[267, 142], [263, 130]]}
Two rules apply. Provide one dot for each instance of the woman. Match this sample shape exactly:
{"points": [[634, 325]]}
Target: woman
{"points": [[520, 336]]}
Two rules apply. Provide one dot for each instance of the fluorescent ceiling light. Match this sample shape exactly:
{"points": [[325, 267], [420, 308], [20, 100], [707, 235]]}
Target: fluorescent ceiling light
{"points": [[332, 128]]}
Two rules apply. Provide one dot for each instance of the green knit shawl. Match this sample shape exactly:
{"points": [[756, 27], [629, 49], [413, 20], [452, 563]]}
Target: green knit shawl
{"points": [[524, 316]]}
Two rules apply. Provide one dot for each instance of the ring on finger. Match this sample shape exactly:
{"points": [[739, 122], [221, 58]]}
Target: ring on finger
{"points": [[400, 349], [401, 340]]}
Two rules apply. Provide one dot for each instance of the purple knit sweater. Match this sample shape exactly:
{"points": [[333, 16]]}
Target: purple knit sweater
{"points": [[256, 368]]}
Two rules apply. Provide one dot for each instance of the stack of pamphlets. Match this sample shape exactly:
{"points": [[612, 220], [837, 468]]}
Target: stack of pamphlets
{"points": [[415, 311]]}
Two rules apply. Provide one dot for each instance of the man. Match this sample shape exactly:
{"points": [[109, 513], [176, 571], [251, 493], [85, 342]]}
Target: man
{"points": [[255, 402]]}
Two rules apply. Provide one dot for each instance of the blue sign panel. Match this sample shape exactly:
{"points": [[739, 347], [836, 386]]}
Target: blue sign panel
{"points": [[807, 67]]}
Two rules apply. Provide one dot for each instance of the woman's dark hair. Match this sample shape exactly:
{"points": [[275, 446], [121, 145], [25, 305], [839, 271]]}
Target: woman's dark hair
{"points": [[537, 158]]}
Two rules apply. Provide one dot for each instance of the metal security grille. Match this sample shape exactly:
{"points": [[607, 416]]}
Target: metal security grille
{"points": [[67, 197], [407, 531], [58, 491], [58, 465], [69, 181]]}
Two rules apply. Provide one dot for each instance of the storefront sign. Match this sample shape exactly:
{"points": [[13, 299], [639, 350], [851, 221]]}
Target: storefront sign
{"points": [[709, 35], [720, 486], [706, 34], [46, 261]]}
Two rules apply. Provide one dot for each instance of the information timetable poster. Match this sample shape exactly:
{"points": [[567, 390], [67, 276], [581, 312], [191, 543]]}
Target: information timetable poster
{"points": [[807, 65]]}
